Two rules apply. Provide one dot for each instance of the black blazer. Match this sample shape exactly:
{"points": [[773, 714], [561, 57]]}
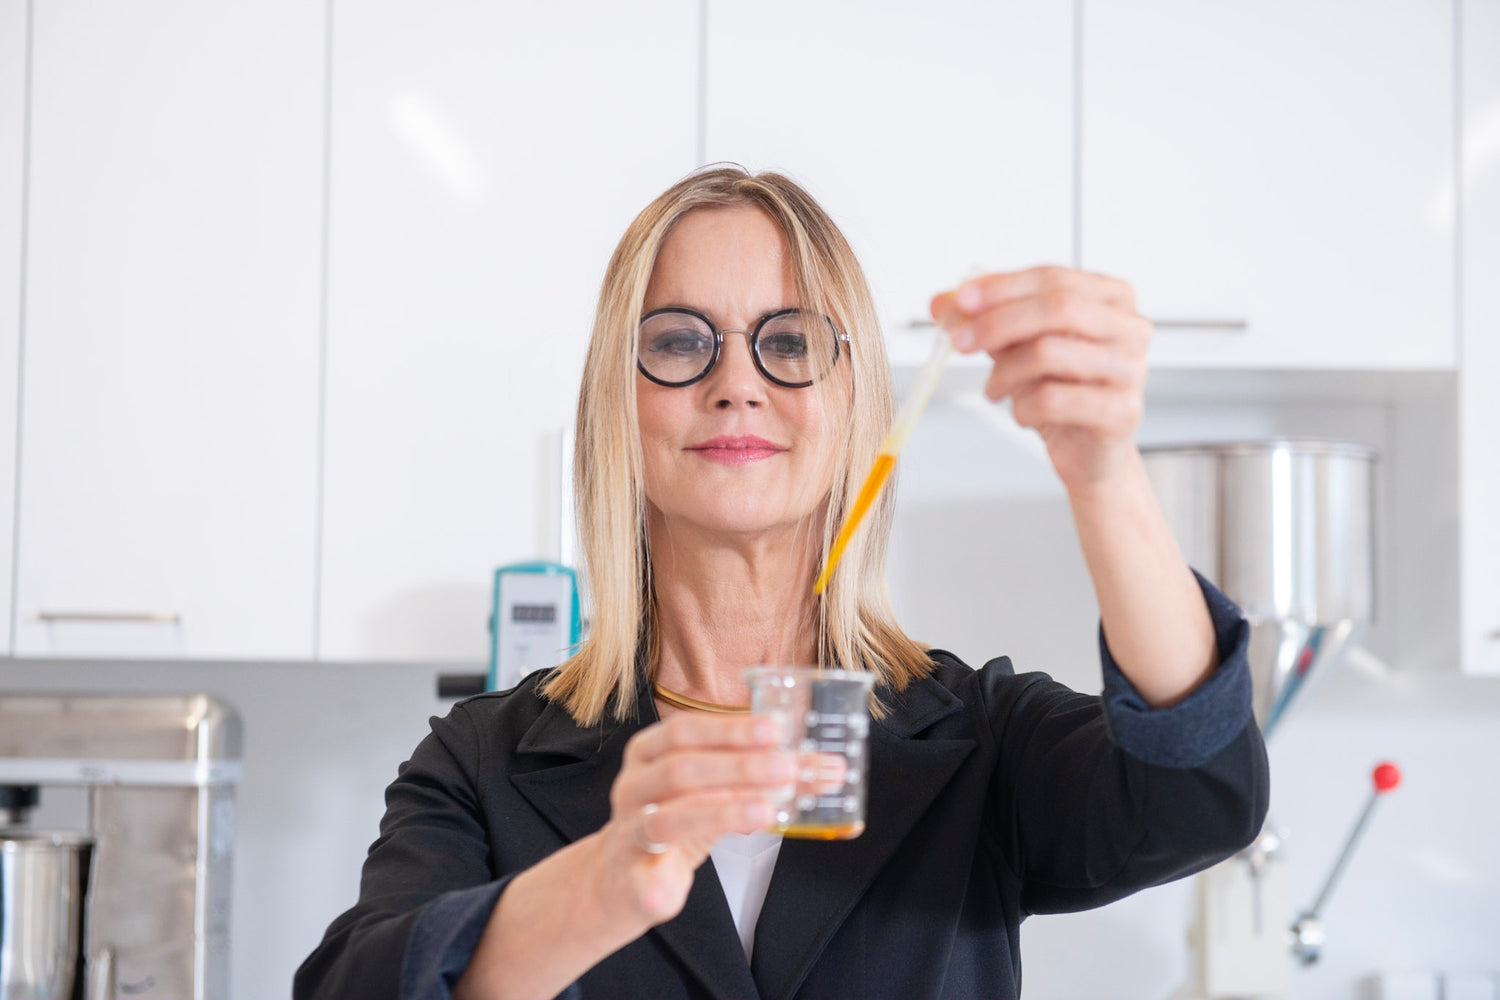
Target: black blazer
{"points": [[991, 796]]}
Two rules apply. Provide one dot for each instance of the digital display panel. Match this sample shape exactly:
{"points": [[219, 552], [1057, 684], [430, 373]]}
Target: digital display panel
{"points": [[543, 613]]}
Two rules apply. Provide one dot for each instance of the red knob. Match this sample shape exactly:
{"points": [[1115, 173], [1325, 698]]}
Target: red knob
{"points": [[1387, 776]]}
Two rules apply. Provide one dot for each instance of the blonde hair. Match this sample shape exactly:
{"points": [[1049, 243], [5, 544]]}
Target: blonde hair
{"points": [[856, 629]]}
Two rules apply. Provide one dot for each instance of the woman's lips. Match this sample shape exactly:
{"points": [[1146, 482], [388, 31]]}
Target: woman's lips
{"points": [[735, 450]]}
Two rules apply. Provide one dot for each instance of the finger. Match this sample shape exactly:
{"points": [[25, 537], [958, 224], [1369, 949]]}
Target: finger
{"points": [[977, 294], [821, 773], [1051, 403], [1000, 326], [690, 731], [1069, 359], [686, 773], [706, 816], [945, 310]]}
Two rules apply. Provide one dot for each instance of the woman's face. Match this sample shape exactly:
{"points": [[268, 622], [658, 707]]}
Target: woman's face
{"points": [[732, 453]]}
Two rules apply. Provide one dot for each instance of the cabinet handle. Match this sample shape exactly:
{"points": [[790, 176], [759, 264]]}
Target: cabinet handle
{"points": [[1188, 325], [1225, 325], [133, 618]]}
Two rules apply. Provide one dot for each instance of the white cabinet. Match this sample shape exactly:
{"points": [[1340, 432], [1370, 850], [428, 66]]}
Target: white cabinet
{"points": [[939, 136], [169, 453], [1479, 378], [1276, 178], [13, 21], [485, 160]]}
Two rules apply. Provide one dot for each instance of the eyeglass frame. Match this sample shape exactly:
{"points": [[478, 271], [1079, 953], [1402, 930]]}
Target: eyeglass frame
{"points": [[752, 340]]}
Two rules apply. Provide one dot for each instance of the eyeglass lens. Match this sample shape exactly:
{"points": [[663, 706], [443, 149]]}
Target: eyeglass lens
{"points": [[791, 348]]}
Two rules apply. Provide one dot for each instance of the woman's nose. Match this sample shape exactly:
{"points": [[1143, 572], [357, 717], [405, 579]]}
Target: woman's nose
{"points": [[735, 380]]}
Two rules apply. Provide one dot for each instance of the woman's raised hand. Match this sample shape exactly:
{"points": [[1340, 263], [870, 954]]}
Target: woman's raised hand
{"points": [[685, 783], [1069, 350]]}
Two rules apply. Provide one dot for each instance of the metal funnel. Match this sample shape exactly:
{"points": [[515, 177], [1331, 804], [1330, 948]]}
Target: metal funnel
{"points": [[1286, 529]]}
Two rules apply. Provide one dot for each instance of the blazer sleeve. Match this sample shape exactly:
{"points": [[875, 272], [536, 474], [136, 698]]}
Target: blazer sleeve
{"points": [[426, 890], [1103, 795]]}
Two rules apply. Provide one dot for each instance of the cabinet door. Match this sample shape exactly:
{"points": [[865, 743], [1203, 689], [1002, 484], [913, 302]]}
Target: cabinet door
{"points": [[1479, 402], [13, 22], [169, 444], [1275, 178], [938, 135], [485, 160]]}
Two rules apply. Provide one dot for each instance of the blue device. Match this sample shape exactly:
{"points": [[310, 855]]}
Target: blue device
{"points": [[534, 620]]}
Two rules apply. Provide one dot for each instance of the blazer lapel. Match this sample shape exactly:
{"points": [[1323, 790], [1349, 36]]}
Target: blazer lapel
{"points": [[572, 788], [573, 795], [816, 884], [704, 938]]}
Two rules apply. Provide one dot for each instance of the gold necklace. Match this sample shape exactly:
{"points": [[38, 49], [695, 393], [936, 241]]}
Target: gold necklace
{"points": [[683, 701]]}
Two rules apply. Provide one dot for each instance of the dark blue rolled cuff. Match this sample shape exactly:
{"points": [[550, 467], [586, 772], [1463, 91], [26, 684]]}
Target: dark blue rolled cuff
{"points": [[1191, 732], [443, 940]]}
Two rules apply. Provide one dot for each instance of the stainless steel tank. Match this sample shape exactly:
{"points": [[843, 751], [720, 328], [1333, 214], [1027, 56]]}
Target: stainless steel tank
{"points": [[1286, 529], [43, 882]]}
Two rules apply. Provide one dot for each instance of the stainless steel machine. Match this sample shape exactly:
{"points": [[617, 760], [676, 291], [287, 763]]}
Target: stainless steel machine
{"points": [[134, 903], [1287, 530]]}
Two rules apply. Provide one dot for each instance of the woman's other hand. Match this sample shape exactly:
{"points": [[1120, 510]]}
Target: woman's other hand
{"points": [[1069, 350]]}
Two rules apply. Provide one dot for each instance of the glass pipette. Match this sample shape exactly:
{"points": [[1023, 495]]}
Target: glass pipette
{"points": [[890, 450]]}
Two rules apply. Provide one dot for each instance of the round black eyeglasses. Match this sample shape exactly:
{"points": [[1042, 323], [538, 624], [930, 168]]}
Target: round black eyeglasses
{"points": [[791, 348]]}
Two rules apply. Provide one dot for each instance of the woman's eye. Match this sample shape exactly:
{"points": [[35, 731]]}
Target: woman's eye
{"points": [[680, 343], [784, 344]]}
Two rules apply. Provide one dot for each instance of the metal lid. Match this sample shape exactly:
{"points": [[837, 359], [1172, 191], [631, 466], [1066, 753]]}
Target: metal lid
{"points": [[1298, 446], [17, 839], [183, 727]]}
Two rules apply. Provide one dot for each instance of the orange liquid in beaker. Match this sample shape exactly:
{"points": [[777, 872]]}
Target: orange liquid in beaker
{"points": [[821, 831]]}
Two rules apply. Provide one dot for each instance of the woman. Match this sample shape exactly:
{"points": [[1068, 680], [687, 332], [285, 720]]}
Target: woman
{"points": [[552, 839]]}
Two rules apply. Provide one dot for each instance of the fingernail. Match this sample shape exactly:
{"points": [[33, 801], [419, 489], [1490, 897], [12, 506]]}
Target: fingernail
{"points": [[766, 730], [781, 794], [783, 767], [963, 337], [759, 813], [968, 297]]}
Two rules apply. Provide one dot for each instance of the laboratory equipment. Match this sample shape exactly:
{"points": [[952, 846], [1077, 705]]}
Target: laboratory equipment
{"points": [[534, 621], [821, 712], [1286, 529], [134, 902], [1307, 931]]}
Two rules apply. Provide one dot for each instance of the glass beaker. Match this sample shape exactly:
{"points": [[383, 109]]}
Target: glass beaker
{"points": [[821, 712]]}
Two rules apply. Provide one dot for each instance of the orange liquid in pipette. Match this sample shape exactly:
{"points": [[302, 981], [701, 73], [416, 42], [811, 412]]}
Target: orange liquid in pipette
{"points": [[879, 472]]}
